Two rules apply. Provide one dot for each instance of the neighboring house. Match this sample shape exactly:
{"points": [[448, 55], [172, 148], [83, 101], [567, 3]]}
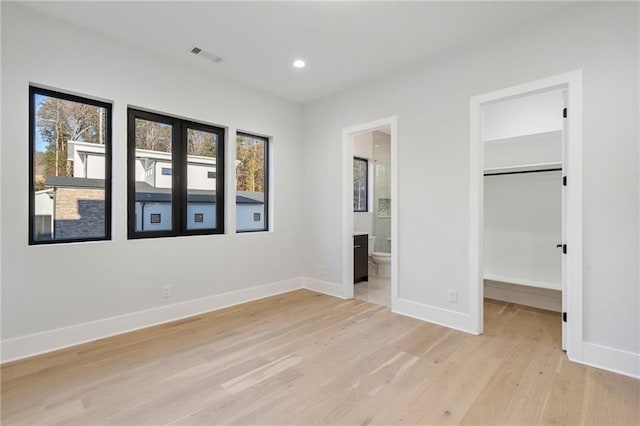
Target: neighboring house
{"points": [[249, 210], [73, 207], [70, 208], [43, 226]]}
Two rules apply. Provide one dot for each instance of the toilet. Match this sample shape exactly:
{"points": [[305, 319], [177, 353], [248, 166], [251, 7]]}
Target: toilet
{"points": [[380, 259]]}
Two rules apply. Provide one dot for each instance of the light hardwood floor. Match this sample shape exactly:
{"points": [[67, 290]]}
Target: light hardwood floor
{"points": [[307, 358]]}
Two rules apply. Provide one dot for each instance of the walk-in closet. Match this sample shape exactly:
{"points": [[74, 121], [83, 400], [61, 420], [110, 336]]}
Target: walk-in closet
{"points": [[523, 200]]}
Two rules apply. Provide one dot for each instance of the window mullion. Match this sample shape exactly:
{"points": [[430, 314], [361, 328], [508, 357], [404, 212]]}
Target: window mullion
{"points": [[220, 182], [179, 178]]}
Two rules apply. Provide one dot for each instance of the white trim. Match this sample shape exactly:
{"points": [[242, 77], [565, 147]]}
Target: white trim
{"points": [[571, 81], [39, 343], [523, 281], [523, 167], [606, 358], [347, 203], [538, 297], [610, 359], [324, 287], [433, 314]]}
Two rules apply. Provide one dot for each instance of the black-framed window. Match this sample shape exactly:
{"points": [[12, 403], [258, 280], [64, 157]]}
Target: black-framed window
{"points": [[360, 184], [252, 183], [69, 168], [170, 164]]}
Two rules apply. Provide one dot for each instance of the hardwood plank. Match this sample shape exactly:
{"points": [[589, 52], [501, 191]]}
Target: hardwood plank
{"points": [[307, 358]]}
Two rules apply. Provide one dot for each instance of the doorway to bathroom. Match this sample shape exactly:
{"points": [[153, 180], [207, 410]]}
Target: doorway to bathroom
{"points": [[370, 212]]}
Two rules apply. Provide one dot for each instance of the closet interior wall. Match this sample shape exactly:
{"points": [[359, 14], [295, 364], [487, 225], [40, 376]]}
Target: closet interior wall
{"points": [[523, 154]]}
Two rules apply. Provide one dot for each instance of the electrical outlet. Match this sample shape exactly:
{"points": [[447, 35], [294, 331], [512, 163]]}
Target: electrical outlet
{"points": [[453, 296], [322, 270], [166, 291]]}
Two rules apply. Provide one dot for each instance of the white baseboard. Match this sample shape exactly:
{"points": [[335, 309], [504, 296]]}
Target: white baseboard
{"points": [[615, 360], [610, 359], [324, 287], [541, 298], [433, 314], [35, 344]]}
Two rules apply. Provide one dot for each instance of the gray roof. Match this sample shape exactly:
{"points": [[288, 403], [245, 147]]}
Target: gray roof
{"points": [[149, 193], [250, 197], [73, 182]]}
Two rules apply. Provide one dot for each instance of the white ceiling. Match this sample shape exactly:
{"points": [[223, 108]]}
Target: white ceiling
{"points": [[343, 43]]}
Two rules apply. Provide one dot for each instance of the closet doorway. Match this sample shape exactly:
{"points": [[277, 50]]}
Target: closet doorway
{"points": [[526, 207]]}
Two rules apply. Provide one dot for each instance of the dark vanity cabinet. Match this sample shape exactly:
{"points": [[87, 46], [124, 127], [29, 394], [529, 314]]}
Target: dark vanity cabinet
{"points": [[360, 258]]}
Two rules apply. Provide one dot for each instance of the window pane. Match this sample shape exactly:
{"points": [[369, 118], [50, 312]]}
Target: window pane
{"points": [[69, 150], [360, 167], [201, 179], [251, 184], [153, 165]]}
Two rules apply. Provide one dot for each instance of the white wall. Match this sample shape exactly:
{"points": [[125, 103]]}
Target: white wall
{"points": [[144, 210], [245, 219], [523, 213], [524, 150], [363, 145], [94, 167], [381, 189], [198, 176], [48, 287], [522, 226], [528, 115], [161, 180], [431, 101], [526, 130]]}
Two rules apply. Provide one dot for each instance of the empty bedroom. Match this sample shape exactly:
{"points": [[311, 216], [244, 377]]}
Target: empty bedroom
{"points": [[320, 212]]}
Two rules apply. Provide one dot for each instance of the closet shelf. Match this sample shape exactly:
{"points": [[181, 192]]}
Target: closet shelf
{"points": [[524, 168], [550, 133], [523, 281]]}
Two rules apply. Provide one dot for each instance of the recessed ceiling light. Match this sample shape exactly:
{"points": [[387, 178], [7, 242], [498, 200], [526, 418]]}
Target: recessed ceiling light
{"points": [[299, 63]]}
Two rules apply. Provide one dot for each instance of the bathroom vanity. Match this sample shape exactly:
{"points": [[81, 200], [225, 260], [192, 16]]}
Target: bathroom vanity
{"points": [[360, 257]]}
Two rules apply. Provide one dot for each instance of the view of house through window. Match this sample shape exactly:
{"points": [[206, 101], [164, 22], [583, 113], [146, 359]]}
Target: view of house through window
{"points": [[175, 176], [201, 182], [360, 184], [251, 183], [154, 201], [70, 168]]}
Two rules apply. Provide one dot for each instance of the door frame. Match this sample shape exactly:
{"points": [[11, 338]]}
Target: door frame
{"points": [[347, 203], [572, 169]]}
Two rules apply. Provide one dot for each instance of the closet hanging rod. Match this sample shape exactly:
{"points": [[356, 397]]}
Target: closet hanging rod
{"points": [[524, 171]]}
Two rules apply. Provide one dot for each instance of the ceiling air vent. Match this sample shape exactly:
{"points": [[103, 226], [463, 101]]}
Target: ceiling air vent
{"points": [[206, 55]]}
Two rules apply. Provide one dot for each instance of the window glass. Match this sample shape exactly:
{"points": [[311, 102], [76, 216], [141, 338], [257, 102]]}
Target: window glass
{"points": [[176, 176], [360, 184], [251, 183], [153, 175], [201, 179], [70, 141]]}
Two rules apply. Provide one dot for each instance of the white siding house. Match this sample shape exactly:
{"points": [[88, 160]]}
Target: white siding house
{"points": [[153, 174]]}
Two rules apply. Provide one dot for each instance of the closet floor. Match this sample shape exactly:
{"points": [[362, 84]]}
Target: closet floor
{"points": [[309, 358]]}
